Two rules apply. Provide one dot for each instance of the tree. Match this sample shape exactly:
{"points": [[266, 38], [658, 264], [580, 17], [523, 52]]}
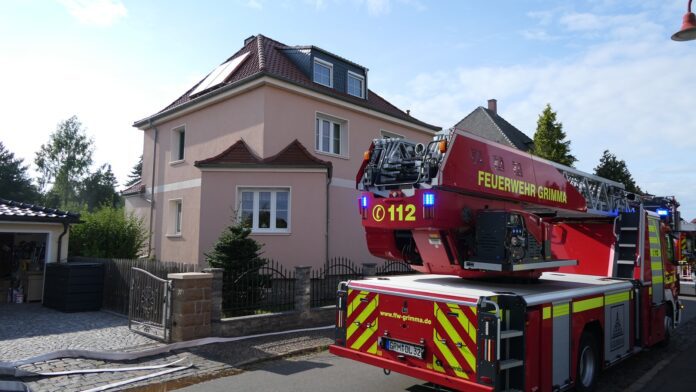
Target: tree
{"points": [[239, 256], [136, 173], [615, 169], [99, 189], [15, 183], [549, 138], [109, 233], [64, 161]]}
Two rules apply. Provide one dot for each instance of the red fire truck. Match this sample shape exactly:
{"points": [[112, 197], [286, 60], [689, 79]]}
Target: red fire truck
{"points": [[535, 276]]}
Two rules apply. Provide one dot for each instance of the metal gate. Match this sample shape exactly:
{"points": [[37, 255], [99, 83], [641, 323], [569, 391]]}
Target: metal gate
{"points": [[149, 310]]}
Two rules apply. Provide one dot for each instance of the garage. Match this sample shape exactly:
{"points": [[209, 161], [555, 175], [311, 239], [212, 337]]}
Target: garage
{"points": [[30, 237]]}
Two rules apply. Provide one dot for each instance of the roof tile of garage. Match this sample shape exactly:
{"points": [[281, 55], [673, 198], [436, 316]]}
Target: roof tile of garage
{"points": [[23, 212]]}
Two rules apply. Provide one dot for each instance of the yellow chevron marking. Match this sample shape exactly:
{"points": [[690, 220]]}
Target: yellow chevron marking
{"points": [[435, 366], [373, 348], [352, 327], [658, 279], [587, 304], [616, 298], [449, 357], [652, 228], [365, 335], [561, 310], [655, 253], [546, 312], [464, 321], [654, 240], [656, 265], [356, 300], [454, 336]]}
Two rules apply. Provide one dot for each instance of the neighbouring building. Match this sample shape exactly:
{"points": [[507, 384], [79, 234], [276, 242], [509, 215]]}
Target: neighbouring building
{"points": [[273, 136], [30, 237], [488, 124]]}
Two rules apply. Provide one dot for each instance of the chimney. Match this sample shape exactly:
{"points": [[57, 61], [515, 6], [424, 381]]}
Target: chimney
{"points": [[493, 105], [249, 39]]}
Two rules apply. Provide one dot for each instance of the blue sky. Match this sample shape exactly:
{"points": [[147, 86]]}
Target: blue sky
{"points": [[607, 66]]}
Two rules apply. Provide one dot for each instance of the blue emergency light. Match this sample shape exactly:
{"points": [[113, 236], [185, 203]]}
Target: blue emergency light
{"points": [[363, 201], [428, 199], [662, 211]]}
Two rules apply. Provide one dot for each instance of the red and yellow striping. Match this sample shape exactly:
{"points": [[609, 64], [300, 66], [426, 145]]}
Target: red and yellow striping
{"points": [[362, 321], [454, 338]]}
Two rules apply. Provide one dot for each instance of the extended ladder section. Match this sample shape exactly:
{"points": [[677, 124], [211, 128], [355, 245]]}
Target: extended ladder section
{"points": [[627, 252], [603, 197], [501, 349]]}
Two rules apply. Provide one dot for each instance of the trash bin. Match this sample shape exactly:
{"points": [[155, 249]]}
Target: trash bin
{"points": [[74, 287]]}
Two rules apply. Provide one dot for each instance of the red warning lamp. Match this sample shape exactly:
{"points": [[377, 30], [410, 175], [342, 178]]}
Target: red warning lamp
{"points": [[688, 29]]}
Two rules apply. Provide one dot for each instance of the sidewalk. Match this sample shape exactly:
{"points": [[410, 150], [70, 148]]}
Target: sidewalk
{"points": [[210, 361]]}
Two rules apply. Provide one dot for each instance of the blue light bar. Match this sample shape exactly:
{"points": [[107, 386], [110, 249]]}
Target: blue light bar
{"points": [[428, 199], [662, 211], [363, 201]]}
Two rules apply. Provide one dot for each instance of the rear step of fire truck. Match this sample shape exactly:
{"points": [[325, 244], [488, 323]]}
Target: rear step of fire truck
{"points": [[501, 350]]}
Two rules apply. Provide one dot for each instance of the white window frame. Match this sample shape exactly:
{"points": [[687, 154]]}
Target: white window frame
{"points": [[344, 151], [362, 84], [255, 209], [325, 64], [174, 157], [176, 215], [384, 133]]}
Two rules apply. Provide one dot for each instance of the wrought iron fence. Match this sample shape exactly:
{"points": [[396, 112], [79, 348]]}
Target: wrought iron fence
{"points": [[393, 267], [265, 287], [324, 281]]}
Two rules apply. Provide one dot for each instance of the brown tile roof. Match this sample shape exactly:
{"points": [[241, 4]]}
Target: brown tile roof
{"points": [[267, 59], [240, 154], [134, 189], [17, 211]]}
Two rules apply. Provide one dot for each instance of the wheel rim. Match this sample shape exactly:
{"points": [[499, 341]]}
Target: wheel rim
{"points": [[669, 326], [587, 366]]}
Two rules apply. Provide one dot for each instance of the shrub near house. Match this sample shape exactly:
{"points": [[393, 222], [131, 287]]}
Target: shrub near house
{"points": [[108, 233]]}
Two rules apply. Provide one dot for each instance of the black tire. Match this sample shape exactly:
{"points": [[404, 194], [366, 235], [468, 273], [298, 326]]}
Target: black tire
{"points": [[588, 363], [669, 326]]}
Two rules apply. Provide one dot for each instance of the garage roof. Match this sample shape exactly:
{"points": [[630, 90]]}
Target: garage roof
{"points": [[23, 212]]}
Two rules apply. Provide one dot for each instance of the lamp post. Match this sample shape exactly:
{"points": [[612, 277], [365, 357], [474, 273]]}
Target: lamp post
{"points": [[688, 29]]}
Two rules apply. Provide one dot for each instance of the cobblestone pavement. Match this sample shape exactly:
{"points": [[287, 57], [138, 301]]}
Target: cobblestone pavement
{"points": [[208, 361], [31, 329]]}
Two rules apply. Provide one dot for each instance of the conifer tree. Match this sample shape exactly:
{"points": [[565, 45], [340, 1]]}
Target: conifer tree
{"points": [[615, 169], [549, 139]]}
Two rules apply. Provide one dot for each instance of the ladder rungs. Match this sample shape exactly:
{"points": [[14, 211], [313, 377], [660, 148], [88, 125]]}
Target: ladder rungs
{"points": [[631, 262], [630, 228], [627, 245], [510, 363], [512, 333]]}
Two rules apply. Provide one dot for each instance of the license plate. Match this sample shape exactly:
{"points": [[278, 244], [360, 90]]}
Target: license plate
{"points": [[409, 349]]}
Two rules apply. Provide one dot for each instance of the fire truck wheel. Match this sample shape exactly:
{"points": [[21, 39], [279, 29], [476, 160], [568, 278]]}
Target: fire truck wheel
{"points": [[588, 363], [669, 326]]}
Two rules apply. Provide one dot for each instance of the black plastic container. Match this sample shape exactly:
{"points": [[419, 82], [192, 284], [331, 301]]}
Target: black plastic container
{"points": [[74, 287]]}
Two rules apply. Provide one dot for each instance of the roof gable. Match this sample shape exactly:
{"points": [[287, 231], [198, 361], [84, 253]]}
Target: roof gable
{"points": [[240, 155], [268, 57], [489, 125]]}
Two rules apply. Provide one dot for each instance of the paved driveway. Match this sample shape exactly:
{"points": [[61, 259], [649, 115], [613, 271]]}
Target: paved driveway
{"points": [[31, 329]]}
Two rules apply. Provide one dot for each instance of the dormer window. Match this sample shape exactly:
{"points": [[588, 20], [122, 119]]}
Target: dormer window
{"points": [[323, 72], [356, 85]]}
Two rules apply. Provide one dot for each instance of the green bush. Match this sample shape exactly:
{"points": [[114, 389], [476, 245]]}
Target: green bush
{"points": [[108, 233]]}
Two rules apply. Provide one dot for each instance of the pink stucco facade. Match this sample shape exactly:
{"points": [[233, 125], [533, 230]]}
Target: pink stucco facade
{"points": [[268, 115]]}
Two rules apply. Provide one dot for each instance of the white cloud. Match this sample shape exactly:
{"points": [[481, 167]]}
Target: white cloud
{"points": [[256, 4], [101, 13], [628, 95]]}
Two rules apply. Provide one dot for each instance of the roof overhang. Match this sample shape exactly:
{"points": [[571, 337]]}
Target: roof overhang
{"points": [[262, 79]]}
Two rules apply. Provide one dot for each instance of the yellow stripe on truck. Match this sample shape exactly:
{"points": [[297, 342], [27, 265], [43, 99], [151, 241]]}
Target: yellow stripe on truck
{"points": [[587, 304], [365, 335], [454, 336], [616, 298], [561, 310]]}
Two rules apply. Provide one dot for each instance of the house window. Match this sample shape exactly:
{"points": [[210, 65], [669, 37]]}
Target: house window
{"points": [[176, 211], [356, 85], [178, 142], [331, 135], [265, 210], [390, 135], [323, 72]]}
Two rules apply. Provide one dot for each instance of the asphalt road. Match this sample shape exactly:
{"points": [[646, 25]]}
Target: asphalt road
{"points": [[325, 372]]}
